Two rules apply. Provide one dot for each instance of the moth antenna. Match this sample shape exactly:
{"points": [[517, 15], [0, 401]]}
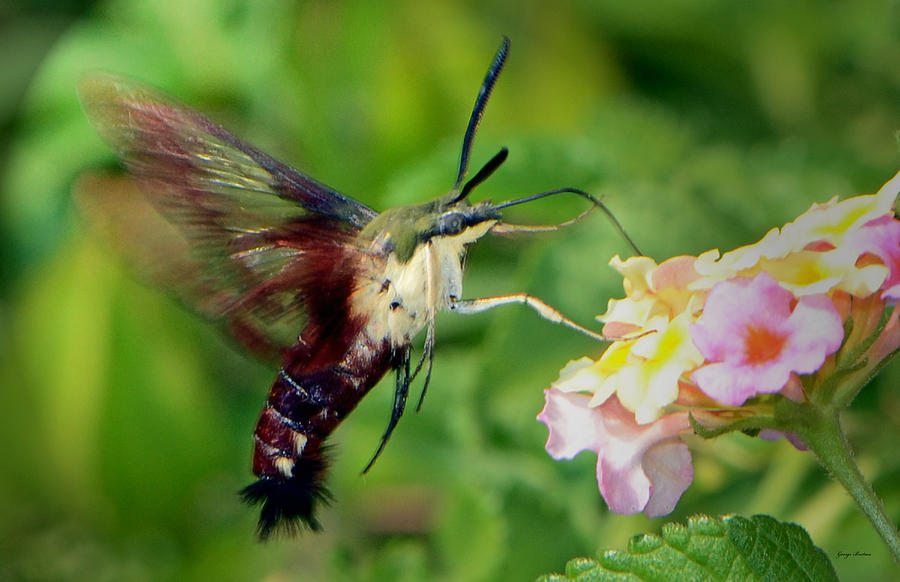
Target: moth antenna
{"points": [[480, 102], [483, 174], [401, 391], [612, 217]]}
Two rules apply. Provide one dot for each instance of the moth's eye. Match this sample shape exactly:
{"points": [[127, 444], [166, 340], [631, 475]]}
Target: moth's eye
{"points": [[452, 223]]}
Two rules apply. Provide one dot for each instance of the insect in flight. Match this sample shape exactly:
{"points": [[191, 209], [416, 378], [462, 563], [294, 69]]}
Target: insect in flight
{"points": [[298, 273]]}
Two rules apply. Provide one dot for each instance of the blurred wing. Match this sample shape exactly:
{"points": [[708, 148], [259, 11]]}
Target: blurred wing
{"points": [[240, 237]]}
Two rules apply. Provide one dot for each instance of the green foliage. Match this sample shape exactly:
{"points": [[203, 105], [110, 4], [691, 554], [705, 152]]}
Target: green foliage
{"points": [[126, 423], [726, 549]]}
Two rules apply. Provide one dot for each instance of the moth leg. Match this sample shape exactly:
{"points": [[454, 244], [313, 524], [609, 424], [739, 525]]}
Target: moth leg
{"points": [[404, 377], [401, 390], [508, 228], [427, 355], [470, 306], [432, 273]]}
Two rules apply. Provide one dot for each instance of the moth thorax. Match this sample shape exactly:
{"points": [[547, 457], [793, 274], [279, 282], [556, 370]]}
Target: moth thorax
{"points": [[397, 298]]}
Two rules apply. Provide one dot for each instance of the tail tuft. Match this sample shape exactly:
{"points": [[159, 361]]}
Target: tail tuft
{"points": [[289, 505]]}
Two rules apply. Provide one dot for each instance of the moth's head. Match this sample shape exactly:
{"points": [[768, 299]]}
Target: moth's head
{"points": [[461, 220], [403, 229]]}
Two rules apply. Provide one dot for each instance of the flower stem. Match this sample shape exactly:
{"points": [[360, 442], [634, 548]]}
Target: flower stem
{"points": [[821, 430]]}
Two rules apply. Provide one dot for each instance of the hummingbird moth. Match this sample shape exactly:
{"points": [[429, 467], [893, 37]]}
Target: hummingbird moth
{"points": [[299, 274]]}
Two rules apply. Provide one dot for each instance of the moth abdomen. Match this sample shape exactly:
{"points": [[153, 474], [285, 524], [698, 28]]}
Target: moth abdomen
{"points": [[303, 408], [290, 461], [290, 503]]}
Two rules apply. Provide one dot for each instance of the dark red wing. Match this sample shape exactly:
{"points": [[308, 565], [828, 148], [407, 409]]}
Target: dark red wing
{"points": [[245, 240]]}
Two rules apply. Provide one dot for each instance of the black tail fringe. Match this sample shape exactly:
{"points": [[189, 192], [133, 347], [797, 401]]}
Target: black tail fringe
{"points": [[289, 506]]}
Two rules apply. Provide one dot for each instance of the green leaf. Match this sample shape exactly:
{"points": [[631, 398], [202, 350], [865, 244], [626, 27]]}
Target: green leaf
{"points": [[709, 549]]}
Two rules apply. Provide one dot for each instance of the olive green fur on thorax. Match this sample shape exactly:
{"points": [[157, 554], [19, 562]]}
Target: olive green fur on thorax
{"points": [[403, 228]]}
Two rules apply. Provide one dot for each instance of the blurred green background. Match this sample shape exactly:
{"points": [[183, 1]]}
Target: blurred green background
{"points": [[125, 422]]}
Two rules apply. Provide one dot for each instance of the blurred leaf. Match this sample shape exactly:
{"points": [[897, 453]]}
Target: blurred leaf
{"points": [[471, 534]]}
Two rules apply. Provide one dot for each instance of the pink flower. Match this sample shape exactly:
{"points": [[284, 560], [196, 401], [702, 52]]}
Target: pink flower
{"points": [[755, 340], [881, 237], [888, 342], [639, 467]]}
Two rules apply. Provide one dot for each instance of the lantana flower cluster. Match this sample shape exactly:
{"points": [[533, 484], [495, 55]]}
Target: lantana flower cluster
{"points": [[711, 343]]}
